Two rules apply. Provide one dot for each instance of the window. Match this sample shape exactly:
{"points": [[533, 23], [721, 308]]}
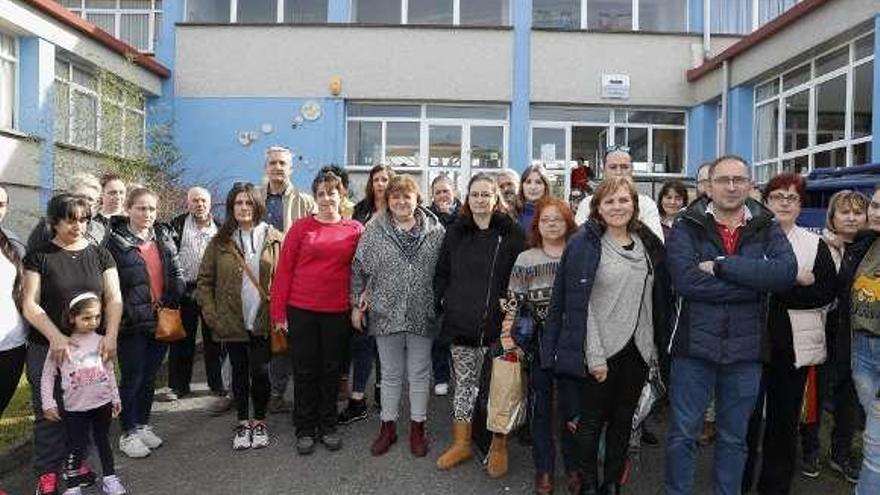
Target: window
{"points": [[560, 14], [8, 80], [100, 112], [303, 11], [818, 114], [771, 9], [731, 17], [208, 10], [429, 12], [663, 15], [137, 22], [257, 11], [484, 12], [611, 15], [439, 12], [376, 11]]}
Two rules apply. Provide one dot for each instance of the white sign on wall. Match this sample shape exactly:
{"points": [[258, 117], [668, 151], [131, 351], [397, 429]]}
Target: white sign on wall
{"points": [[548, 153], [615, 86]]}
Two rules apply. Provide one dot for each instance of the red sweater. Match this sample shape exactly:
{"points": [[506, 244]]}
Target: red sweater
{"points": [[314, 269]]}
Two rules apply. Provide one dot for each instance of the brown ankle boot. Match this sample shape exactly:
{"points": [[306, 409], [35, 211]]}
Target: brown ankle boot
{"points": [[460, 450], [543, 484], [387, 437], [497, 463], [418, 440]]}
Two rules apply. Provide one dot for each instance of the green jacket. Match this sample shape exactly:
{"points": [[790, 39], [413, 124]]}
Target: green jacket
{"points": [[219, 288]]}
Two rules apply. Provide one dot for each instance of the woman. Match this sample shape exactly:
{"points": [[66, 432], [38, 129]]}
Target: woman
{"points": [[846, 216], [620, 266], [531, 283], [392, 280], [309, 302], [234, 280], [13, 333], [150, 277], [535, 186], [857, 303], [445, 206], [363, 346], [796, 330], [112, 197], [54, 273], [476, 257], [672, 198]]}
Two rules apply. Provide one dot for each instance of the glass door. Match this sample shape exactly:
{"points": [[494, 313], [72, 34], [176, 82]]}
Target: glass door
{"points": [[459, 150], [551, 147]]}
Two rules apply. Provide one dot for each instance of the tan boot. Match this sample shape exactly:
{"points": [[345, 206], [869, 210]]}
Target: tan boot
{"points": [[460, 450], [497, 463]]}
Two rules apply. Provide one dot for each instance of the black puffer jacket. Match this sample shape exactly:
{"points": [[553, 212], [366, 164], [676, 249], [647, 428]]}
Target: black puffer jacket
{"points": [[139, 314], [472, 274]]}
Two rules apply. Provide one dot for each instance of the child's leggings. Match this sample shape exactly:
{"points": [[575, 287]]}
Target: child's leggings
{"points": [[79, 424]]}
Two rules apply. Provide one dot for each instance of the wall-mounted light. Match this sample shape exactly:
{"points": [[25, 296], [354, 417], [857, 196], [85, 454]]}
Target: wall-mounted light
{"points": [[335, 86]]}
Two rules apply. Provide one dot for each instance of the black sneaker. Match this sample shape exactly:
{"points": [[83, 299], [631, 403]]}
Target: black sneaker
{"points": [[844, 465], [83, 477], [355, 411], [332, 441], [305, 445], [810, 466]]}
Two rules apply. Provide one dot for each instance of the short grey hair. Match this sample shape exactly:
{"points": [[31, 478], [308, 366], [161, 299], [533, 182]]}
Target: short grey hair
{"points": [[197, 190], [279, 149], [510, 173], [81, 181]]}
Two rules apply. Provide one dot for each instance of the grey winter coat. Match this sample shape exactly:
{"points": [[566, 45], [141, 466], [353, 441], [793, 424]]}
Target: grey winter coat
{"points": [[399, 289]]}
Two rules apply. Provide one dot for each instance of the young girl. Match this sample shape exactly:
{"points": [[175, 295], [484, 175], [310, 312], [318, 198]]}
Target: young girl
{"points": [[91, 397]]}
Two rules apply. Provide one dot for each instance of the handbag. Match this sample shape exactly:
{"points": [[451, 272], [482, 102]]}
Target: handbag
{"points": [[169, 326], [506, 409], [523, 329], [277, 340]]}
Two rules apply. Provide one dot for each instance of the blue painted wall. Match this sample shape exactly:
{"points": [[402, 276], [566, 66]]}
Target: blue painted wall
{"points": [[701, 135], [875, 131], [160, 110], [37, 112], [207, 134], [740, 117], [519, 108]]}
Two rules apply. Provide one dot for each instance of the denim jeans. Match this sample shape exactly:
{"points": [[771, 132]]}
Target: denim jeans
{"points": [[140, 357], [693, 384], [866, 375], [408, 353]]}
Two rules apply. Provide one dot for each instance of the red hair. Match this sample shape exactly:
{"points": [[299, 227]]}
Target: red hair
{"points": [[535, 239], [785, 181]]}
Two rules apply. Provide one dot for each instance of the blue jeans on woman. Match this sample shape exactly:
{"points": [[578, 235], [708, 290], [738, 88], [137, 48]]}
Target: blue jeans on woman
{"points": [[140, 357], [866, 376]]}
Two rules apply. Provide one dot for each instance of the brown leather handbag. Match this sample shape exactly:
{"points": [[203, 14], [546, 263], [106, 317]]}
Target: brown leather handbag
{"points": [[169, 326], [277, 340]]}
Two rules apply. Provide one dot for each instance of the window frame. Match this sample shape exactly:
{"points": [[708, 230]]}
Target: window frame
{"points": [[456, 15], [755, 22], [118, 12], [16, 83], [765, 169], [584, 24]]}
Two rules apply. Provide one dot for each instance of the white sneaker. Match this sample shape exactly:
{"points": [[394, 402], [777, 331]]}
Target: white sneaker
{"points": [[112, 486], [73, 491], [150, 439], [260, 436], [132, 446], [441, 389], [242, 439]]}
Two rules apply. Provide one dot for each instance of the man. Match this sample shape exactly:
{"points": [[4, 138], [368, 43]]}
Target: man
{"points": [[284, 206], [112, 197], [192, 231], [618, 163], [703, 180], [725, 255], [87, 186], [508, 183]]}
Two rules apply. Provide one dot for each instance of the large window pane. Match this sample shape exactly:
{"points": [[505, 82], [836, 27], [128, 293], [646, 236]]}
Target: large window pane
{"points": [[634, 138], [134, 29], [663, 15], [830, 159], [862, 153], [484, 12], [796, 77], [731, 16], [831, 110], [834, 60], [107, 22], [613, 15], [207, 10], [84, 127], [797, 121], [562, 14], [302, 11], [444, 146], [364, 143], [798, 165], [429, 12], [771, 9], [487, 146], [376, 11], [863, 100], [402, 144], [668, 156], [257, 11], [548, 147], [865, 46], [766, 131]]}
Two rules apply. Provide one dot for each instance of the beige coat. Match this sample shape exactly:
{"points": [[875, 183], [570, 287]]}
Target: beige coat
{"points": [[296, 204]]}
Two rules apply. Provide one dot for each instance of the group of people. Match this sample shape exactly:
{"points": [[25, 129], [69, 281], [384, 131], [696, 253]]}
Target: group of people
{"points": [[725, 299]]}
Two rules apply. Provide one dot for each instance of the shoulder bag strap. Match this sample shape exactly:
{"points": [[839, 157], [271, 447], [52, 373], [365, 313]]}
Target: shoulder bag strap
{"points": [[249, 273]]}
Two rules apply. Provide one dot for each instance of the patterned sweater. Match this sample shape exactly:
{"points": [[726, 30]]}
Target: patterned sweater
{"points": [[531, 282]]}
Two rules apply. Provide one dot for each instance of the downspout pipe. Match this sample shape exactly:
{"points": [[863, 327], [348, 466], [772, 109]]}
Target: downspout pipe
{"points": [[707, 28], [725, 90]]}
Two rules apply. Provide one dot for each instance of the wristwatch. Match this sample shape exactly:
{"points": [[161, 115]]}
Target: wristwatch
{"points": [[716, 267]]}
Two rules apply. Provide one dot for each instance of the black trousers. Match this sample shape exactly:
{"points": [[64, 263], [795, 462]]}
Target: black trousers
{"points": [[11, 365], [317, 344], [50, 438], [182, 353], [782, 392], [79, 425], [840, 392], [612, 403], [250, 376]]}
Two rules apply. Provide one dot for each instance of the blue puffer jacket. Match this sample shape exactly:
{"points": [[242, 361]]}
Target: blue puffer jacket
{"points": [[565, 330], [723, 318]]}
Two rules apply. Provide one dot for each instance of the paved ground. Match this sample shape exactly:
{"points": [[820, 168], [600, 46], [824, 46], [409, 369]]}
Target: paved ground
{"points": [[197, 459]]}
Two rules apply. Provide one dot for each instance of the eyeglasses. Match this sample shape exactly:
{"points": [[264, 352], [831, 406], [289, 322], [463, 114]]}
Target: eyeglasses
{"points": [[551, 220], [783, 198], [483, 195], [242, 184], [618, 147], [738, 181]]}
